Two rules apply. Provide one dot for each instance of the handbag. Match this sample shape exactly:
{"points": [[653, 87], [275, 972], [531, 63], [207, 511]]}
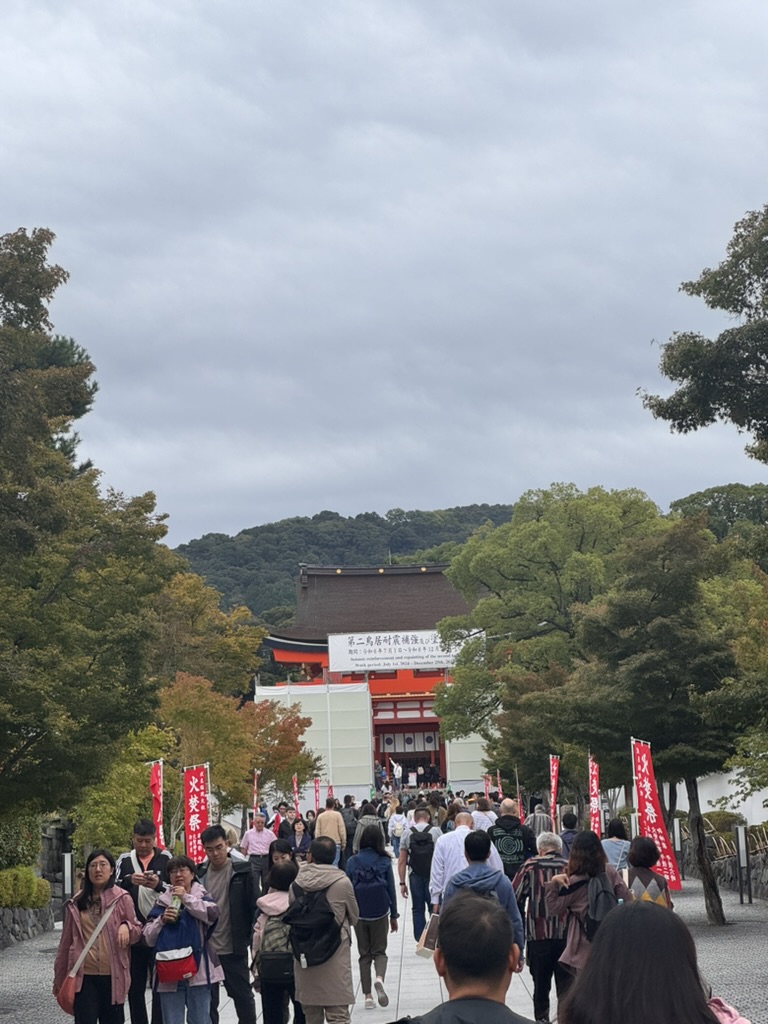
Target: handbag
{"points": [[65, 997]]}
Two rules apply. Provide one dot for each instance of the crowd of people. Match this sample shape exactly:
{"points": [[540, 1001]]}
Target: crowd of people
{"points": [[273, 912]]}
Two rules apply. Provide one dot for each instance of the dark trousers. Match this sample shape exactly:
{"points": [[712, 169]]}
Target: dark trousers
{"points": [[141, 970], [420, 904], [543, 956], [274, 1004], [93, 1003], [260, 866], [372, 949], [238, 985]]}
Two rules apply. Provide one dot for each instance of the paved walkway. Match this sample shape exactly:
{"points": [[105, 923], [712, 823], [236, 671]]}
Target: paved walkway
{"points": [[734, 960]]}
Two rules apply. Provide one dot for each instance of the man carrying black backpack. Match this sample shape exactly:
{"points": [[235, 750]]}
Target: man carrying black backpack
{"points": [[417, 846], [322, 913]]}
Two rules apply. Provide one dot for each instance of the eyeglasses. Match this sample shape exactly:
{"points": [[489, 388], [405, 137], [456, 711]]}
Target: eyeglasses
{"points": [[100, 865]]}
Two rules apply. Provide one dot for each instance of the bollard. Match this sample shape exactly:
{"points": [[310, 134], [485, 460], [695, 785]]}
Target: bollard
{"points": [[743, 863], [677, 842], [68, 875]]}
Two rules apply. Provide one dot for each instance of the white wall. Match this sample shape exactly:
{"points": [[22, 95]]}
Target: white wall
{"points": [[712, 787], [341, 733], [464, 763]]}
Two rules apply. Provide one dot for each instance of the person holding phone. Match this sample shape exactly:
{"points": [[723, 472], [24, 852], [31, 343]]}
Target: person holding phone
{"points": [[143, 873]]}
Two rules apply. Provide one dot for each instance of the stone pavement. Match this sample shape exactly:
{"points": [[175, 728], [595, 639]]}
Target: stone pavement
{"points": [[734, 961]]}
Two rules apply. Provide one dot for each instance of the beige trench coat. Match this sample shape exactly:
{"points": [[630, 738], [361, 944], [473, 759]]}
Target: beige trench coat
{"points": [[329, 984]]}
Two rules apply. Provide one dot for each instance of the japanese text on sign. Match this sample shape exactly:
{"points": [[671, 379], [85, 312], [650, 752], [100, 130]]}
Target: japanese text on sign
{"points": [[369, 652], [649, 812], [195, 810]]}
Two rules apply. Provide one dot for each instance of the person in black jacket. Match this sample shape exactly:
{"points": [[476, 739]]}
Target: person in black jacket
{"points": [[232, 884], [142, 872], [476, 958], [514, 841]]}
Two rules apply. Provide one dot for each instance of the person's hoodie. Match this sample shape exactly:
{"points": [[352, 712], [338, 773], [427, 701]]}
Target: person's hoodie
{"points": [[272, 904], [485, 880]]}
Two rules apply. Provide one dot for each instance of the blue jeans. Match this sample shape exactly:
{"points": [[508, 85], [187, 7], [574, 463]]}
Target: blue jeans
{"points": [[420, 903], [196, 999], [395, 840], [337, 858]]}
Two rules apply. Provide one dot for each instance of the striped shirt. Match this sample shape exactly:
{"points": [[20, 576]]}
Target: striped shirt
{"points": [[529, 885]]}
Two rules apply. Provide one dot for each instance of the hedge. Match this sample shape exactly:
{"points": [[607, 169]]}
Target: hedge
{"points": [[20, 839], [20, 887]]}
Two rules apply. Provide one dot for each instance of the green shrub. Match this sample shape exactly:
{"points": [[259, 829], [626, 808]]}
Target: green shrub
{"points": [[20, 887], [723, 821], [42, 893], [21, 838]]}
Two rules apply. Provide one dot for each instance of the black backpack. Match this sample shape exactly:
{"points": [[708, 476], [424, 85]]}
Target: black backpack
{"points": [[601, 900], [421, 847], [315, 932]]}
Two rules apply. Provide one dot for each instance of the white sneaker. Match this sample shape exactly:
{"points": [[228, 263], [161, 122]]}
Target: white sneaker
{"points": [[369, 1003]]}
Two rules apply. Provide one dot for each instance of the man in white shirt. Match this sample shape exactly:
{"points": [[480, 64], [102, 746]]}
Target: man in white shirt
{"points": [[449, 857]]}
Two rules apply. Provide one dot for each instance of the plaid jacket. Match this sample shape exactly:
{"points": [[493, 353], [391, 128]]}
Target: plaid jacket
{"points": [[529, 885]]}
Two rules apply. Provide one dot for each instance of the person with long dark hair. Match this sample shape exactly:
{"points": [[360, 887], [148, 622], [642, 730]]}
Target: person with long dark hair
{"points": [[642, 969], [569, 893], [370, 872], [616, 844], [104, 977]]}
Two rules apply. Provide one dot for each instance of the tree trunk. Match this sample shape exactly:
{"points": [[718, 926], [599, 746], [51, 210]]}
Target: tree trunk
{"points": [[672, 805], [712, 901]]}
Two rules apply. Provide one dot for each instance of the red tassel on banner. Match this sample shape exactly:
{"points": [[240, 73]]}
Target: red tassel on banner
{"points": [[317, 795], [256, 774], [296, 793], [156, 789], [649, 812]]}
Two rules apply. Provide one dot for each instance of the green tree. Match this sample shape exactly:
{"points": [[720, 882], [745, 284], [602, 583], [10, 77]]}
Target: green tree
{"points": [[522, 580], [725, 379], [660, 665], [77, 571]]}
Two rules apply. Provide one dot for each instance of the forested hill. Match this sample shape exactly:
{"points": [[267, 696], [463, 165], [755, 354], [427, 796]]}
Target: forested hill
{"points": [[259, 566]]}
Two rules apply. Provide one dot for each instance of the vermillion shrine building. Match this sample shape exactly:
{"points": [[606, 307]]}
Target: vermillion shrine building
{"points": [[365, 648]]}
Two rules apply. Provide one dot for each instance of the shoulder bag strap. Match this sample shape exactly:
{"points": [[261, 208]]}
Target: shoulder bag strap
{"points": [[90, 942]]}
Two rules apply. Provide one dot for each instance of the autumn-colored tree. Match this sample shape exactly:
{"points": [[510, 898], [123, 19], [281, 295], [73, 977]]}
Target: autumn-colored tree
{"points": [[212, 727], [195, 636]]}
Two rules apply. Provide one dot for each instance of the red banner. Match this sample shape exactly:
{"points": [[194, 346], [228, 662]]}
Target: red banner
{"points": [[487, 784], [317, 795], [156, 789], [255, 791], [296, 792], [594, 797], [554, 776], [195, 810], [649, 812], [330, 791], [498, 784]]}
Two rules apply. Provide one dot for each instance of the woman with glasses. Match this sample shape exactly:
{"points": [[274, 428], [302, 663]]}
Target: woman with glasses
{"points": [[104, 977], [186, 896]]}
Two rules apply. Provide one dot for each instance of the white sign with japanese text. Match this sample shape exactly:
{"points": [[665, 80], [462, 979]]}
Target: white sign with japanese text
{"points": [[387, 651]]}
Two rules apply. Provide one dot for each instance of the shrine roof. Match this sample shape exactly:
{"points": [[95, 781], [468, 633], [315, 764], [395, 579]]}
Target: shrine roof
{"points": [[359, 599]]}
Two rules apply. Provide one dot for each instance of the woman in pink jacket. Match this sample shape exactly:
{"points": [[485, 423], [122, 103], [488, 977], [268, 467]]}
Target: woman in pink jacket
{"points": [[104, 979], [186, 894]]}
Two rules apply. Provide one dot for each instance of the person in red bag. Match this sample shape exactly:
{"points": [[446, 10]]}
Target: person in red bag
{"points": [[194, 995], [104, 978]]}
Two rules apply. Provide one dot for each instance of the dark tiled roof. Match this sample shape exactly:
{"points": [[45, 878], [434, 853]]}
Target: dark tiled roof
{"points": [[358, 599]]}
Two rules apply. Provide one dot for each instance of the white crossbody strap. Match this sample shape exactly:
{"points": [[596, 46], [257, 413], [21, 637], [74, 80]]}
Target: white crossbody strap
{"points": [[90, 942]]}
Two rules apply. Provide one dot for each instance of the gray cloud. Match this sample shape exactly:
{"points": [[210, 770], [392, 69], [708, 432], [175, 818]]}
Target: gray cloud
{"points": [[363, 254]]}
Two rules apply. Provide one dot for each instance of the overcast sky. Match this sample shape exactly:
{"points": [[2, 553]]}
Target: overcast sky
{"points": [[355, 255]]}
